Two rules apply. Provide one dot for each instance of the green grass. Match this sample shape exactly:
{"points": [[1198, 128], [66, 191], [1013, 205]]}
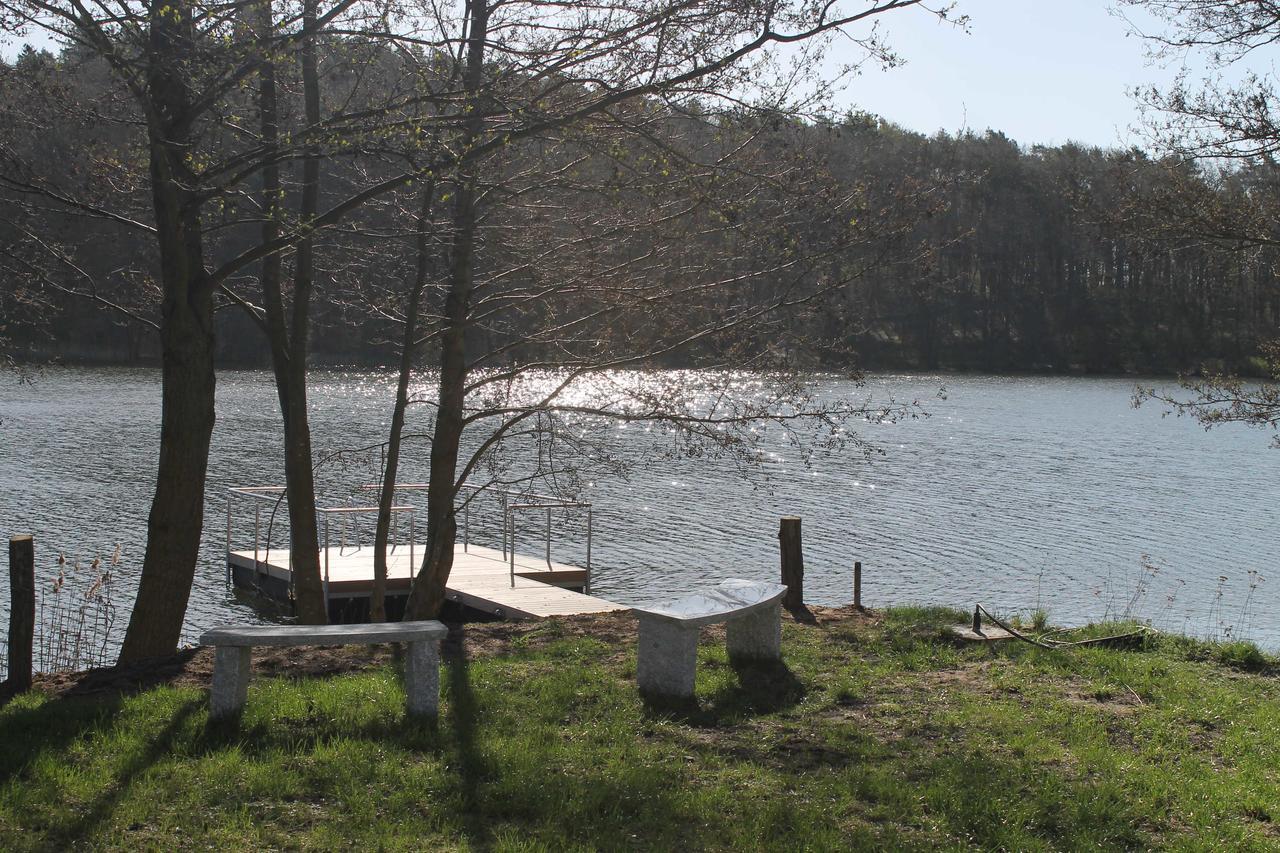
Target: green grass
{"points": [[872, 735]]}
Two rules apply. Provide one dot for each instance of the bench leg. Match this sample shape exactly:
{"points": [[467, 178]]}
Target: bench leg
{"points": [[230, 681], [422, 678], [667, 658], [756, 636]]}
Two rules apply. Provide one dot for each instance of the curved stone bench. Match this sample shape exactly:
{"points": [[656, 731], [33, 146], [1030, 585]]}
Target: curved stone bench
{"points": [[233, 643], [667, 657]]}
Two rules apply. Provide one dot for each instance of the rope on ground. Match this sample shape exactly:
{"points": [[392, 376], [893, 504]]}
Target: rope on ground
{"points": [[1045, 643]]}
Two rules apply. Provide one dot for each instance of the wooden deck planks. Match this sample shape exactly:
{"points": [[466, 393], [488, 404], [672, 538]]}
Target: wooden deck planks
{"points": [[480, 578]]}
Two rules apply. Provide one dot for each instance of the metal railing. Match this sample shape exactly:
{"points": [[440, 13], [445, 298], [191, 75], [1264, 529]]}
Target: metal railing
{"points": [[275, 495], [547, 503], [511, 503], [466, 508], [348, 511], [259, 494]]}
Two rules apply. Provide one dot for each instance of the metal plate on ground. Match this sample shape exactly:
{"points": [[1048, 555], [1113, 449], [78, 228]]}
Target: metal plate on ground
{"points": [[990, 633]]}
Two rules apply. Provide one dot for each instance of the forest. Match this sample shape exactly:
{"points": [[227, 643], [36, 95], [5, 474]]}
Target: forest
{"points": [[988, 255], [536, 202]]}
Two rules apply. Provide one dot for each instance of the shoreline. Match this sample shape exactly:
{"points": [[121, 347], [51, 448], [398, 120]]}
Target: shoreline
{"points": [[192, 665], [875, 731], [1172, 375]]}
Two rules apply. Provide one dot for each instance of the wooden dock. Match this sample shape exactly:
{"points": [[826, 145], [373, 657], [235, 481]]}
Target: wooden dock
{"points": [[481, 579]]}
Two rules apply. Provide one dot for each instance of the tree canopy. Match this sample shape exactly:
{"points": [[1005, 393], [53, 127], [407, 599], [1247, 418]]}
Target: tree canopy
{"points": [[1230, 129], [254, 138]]}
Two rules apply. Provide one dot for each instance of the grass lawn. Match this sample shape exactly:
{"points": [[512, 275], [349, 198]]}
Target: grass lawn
{"points": [[878, 732]]}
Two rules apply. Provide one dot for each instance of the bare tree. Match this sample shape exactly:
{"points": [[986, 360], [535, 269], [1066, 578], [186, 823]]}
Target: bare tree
{"points": [[1234, 198], [287, 332], [585, 289], [184, 67], [528, 71]]}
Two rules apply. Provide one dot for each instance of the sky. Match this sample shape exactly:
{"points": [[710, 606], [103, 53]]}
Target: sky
{"points": [[1040, 71]]}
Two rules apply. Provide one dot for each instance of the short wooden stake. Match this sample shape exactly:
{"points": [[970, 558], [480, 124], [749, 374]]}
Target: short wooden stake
{"points": [[792, 562], [857, 585], [22, 611]]}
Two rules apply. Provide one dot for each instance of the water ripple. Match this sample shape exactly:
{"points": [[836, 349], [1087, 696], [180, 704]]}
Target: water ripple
{"points": [[1017, 492]]}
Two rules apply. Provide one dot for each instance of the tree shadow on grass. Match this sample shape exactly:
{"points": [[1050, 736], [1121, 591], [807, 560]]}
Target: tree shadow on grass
{"points": [[99, 811], [264, 738], [762, 687], [541, 793], [473, 768], [57, 724], [8, 693], [803, 615], [315, 726]]}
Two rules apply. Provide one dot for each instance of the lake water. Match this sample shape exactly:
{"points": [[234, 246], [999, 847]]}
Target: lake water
{"points": [[1016, 493]]}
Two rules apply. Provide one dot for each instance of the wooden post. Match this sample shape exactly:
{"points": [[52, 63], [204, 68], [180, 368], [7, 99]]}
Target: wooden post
{"points": [[792, 562], [22, 611], [857, 585]]}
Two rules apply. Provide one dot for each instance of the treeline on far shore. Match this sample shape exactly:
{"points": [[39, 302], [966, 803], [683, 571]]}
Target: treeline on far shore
{"points": [[1044, 259]]}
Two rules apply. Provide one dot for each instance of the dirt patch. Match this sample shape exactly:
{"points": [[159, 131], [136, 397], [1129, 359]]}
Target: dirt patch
{"points": [[974, 677], [1205, 736], [799, 752], [842, 615], [763, 743], [882, 721], [1120, 701], [193, 667], [1262, 820], [486, 639], [1120, 735], [925, 687]]}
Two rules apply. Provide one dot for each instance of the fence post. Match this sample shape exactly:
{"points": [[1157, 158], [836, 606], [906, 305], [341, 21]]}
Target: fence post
{"points": [[792, 562], [857, 585], [22, 611]]}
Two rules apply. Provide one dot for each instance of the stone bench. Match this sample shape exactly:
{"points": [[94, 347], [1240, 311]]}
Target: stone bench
{"points": [[667, 657], [233, 642]]}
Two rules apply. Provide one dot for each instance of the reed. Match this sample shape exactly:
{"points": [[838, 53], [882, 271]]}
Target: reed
{"points": [[76, 615]]}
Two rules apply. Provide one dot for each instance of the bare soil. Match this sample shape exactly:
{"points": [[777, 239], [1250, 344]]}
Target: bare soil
{"points": [[193, 667]]}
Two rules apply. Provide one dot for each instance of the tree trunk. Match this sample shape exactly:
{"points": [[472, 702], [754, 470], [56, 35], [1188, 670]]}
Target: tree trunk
{"points": [[186, 339], [304, 539], [427, 595], [386, 498], [299, 476], [289, 339]]}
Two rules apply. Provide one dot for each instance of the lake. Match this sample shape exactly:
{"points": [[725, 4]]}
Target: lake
{"points": [[1016, 493]]}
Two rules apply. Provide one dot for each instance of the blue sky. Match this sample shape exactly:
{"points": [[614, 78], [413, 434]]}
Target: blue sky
{"points": [[1041, 71]]}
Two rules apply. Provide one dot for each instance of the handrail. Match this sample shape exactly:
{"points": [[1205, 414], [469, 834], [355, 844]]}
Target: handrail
{"points": [[509, 524], [361, 509], [508, 492], [256, 491], [356, 510], [273, 495], [268, 494], [533, 501], [466, 509], [512, 501]]}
